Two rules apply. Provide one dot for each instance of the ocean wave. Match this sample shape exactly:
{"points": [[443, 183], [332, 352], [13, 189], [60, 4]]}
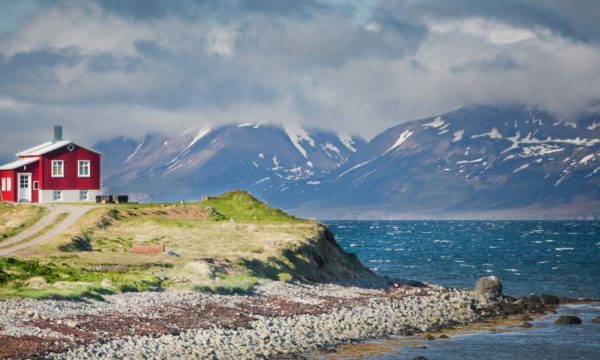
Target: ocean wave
{"points": [[564, 248]]}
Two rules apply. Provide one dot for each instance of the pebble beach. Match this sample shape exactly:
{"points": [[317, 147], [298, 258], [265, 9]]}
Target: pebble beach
{"points": [[279, 319]]}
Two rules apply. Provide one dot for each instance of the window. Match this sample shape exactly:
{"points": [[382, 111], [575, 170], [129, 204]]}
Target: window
{"points": [[84, 168], [8, 184], [83, 195], [4, 184], [36, 185], [58, 168], [57, 195]]}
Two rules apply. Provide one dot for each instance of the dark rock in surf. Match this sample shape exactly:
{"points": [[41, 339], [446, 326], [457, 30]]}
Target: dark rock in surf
{"points": [[568, 320], [549, 299], [596, 320], [526, 325]]}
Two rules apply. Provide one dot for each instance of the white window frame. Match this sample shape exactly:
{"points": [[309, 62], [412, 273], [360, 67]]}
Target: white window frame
{"points": [[59, 198], [89, 168], [8, 184], [4, 184], [87, 195], [62, 167]]}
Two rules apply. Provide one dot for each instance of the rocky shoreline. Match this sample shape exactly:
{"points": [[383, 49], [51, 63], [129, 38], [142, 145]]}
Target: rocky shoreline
{"points": [[279, 319]]}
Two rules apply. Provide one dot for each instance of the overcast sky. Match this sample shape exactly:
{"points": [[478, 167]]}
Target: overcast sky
{"points": [[126, 67]]}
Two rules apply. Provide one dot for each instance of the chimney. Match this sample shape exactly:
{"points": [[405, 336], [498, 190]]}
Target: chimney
{"points": [[57, 133]]}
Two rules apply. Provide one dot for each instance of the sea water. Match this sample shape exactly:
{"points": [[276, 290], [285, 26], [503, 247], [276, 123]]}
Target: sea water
{"points": [[554, 257]]}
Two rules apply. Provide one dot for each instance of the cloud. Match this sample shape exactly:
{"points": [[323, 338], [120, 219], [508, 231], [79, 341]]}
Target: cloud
{"points": [[221, 42], [127, 67]]}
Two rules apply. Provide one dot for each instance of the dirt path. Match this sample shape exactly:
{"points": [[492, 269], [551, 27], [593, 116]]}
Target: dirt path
{"points": [[75, 212]]}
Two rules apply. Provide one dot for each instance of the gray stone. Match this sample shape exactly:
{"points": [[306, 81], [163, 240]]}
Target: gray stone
{"points": [[489, 286]]}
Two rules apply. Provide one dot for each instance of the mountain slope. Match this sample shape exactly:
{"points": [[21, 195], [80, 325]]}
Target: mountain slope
{"points": [[473, 159], [261, 158], [478, 161]]}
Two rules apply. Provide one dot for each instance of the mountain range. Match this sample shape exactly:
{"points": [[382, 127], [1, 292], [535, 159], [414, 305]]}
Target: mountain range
{"points": [[509, 162]]}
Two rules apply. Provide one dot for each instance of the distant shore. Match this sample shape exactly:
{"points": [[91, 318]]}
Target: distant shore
{"points": [[278, 319]]}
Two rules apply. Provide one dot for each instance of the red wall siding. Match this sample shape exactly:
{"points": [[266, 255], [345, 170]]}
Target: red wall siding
{"points": [[13, 174], [71, 180], [8, 195]]}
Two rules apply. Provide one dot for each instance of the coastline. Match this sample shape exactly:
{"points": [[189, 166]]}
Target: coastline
{"points": [[280, 319]]}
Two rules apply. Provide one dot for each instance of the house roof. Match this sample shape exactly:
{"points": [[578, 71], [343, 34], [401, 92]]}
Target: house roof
{"points": [[17, 164], [51, 146]]}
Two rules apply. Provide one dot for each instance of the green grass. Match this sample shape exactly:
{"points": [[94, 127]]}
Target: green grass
{"points": [[226, 284], [241, 206], [41, 232], [16, 218], [67, 282]]}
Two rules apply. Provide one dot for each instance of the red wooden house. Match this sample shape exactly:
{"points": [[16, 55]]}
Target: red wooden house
{"points": [[55, 171]]}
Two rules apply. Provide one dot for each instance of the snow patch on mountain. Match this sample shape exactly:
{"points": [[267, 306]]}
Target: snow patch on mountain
{"points": [[436, 123], [522, 167], [262, 180], [469, 161], [297, 135], [517, 141], [137, 150], [176, 160], [593, 126], [572, 124], [458, 135], [249, 124], [347, 141], [493, 134], [586, 158], [354, 168], [329, 146], [401, 139]]}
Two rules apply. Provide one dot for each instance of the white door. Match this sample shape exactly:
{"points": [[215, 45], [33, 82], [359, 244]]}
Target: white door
{"points": [[25, 187]]}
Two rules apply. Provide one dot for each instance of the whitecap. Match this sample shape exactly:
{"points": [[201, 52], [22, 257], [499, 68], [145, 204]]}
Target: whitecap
{"points": [[493, 247], [511, 270], [564, 248], [489, 271], [353, 245], [549, 241], [542, 262]]}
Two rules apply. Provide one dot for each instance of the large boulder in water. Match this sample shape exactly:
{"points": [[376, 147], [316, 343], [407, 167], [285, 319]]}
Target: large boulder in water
{"points": [[568, 320], [489, 286]]}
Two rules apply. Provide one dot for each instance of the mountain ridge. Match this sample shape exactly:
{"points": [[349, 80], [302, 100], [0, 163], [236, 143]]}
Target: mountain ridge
{"points": [[487, 160]]}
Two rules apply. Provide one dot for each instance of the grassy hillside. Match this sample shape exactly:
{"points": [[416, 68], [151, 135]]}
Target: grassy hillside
{"points": [[16, 218], [223, 244]]}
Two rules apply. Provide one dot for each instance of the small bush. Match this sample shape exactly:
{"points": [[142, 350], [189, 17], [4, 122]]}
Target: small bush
{"points": [[77, 243], [285, 277]]}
